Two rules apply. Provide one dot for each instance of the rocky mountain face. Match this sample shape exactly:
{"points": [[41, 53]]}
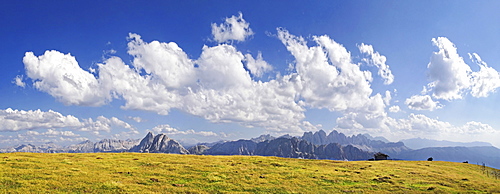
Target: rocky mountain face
{"points": [[105, 145], [298, 148], [240, 147], [144, 144], [360, 141], [198, 149], [161, 143], [289, 148], [108, 145], [84, 147]]}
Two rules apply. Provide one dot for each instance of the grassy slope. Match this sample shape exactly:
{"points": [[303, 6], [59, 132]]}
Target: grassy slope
{"points": [[170, 173]]}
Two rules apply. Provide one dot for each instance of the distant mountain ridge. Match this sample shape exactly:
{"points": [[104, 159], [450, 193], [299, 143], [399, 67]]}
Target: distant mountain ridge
{"points": [[418, 143], [105, 145]]}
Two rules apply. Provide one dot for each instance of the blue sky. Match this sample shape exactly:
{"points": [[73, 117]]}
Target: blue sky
{"points": [[206, 71]]}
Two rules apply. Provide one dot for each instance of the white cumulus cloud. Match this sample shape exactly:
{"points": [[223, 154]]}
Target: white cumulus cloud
{"points": [[371, 115], [325, 73], [166, 63], [422, 102], [53, 133], [257, 66], [484, 81], [18, 120], [104, 124], [415, 125], [18, 80], [377, 60], [41, 137], [449, 73], [234, 28], [60, 75], [173, 131], [452, 78], [136, 119], [394, 109]]}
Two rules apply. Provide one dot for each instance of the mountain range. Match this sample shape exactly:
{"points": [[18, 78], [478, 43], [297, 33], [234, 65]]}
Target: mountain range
{"points": [[419, 143], [359, 141], [317, 145], [105, 145]]}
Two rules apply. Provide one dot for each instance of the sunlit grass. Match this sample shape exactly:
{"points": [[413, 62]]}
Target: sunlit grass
{"points": [[171, 173]]}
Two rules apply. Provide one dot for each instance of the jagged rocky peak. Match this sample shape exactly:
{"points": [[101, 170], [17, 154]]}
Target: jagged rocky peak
{"points": [[160, 143], [262, 138], [240, 147], [198, 149], [113, 145], [83, 147], [318, 138], [28, 148], [286, 147], [144, 144]]}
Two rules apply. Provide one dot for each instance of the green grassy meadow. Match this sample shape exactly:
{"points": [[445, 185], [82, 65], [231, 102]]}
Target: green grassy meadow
{"points": [[171, 173]]}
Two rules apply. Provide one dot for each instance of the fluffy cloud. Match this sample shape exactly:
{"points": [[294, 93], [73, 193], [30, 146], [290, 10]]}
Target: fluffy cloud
{"points": [[18, 80], [424, 126], [53, 133], [257, 66], [371, 115], [388, 97], [60, 75], [419, 123], [234, 28], [325, 73], [173, 131], [18, 120], [165, 63], [136, 119], [105, 124], [474, 127], [221, 68], [424, 102], [484, 81], [394, 109], [452, 77], [449, 74], [415, 125], [50, 136], [378, 61], [40, 137]]}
